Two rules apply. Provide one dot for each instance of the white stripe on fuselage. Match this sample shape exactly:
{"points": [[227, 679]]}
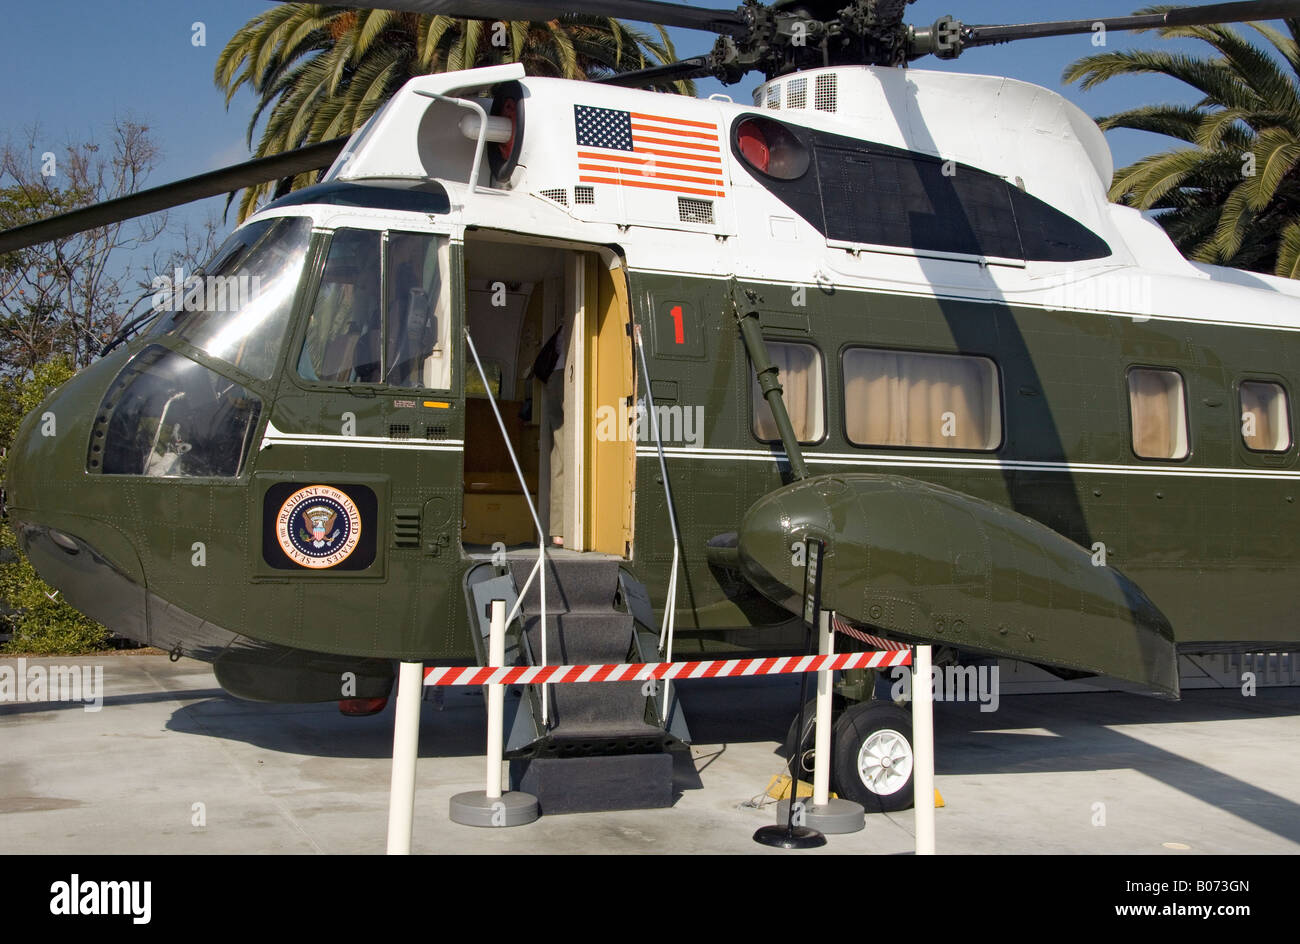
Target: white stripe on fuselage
{"points": [[961, 462], [273, 437]]}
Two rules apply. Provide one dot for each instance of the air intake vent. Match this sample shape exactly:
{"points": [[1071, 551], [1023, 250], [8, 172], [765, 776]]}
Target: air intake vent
{"points": [[825, 97], [774, 96], [559, 195], [694, 211], [758, 97], [406, 527], [796, 93], [436, 433], [399, 431], [584, 194]]}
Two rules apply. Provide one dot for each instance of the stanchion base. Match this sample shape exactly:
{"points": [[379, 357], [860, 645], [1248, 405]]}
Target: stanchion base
{"points": [[510, 809], [835, 818], [800, 837]]}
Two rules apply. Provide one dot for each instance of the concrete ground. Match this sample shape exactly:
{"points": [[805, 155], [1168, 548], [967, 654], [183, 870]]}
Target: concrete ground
{"points": [[174, 765]]}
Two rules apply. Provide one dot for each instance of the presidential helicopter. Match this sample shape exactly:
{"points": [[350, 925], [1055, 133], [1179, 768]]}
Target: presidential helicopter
{"points": [[645, 346]]}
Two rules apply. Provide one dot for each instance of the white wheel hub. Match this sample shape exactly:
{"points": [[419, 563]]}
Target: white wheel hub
{"points": [[885, 762]]}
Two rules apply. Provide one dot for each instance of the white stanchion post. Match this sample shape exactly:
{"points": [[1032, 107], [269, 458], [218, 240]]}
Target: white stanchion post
{"points": [[923, 752], [496, 699], [406, 748], [822, 746], [490, 806], [825, 815]]}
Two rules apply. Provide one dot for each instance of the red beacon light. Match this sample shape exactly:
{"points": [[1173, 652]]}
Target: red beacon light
{"points": [[771, 148]]}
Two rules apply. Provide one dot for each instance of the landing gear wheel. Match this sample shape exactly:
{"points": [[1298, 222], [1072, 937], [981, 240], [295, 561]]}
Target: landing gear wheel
{"points": [[872, 757], [808, 743]]}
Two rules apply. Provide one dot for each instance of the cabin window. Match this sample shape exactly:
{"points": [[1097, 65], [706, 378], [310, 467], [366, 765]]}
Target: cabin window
{"points": [[1158, 407], [474, 387], [932, 401], [799, 370], [1265, 416], [368, 330]]}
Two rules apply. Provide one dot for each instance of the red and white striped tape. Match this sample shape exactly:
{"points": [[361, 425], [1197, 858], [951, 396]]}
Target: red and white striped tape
{"points": [[878, 641], [644, 671]]}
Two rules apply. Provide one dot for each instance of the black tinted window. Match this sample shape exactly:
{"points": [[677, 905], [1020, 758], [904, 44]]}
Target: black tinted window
{"points": [[885, 196], [908, 200], [1048, 235]]}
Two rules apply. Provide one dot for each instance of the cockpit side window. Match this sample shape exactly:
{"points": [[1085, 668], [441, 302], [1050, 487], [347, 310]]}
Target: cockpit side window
{"points": [[352, 339], [343, 336], [417, 316]]}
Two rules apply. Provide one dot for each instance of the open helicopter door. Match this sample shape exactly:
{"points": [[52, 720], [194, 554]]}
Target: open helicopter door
{"points": [[607, 393], [599, 393], [550, 326]]}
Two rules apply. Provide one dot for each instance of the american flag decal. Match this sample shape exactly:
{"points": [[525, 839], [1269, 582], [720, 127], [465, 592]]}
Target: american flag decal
{"points": [[656, 152]]}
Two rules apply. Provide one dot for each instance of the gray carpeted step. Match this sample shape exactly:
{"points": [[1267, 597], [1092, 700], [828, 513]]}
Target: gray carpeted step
{"points": [[582, 638], [607, 709], [611, 709], [573, 585]]}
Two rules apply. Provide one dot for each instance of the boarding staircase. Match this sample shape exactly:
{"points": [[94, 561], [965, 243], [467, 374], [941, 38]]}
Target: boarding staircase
{"points": [[591, 746]]}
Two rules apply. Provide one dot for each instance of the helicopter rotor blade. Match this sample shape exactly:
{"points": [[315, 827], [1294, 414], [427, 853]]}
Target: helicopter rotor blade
{"points": [[1237, 12], [682, 69], [730, 22], [227, 179]]}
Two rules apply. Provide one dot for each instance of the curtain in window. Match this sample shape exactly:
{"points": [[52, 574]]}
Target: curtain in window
{"points": [[1156, 404], [799, 371], [1265, 417], [1256, 423], [896, 398]]}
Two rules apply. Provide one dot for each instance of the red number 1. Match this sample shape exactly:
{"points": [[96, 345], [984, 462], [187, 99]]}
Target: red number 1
{"points": [[678, 332]]}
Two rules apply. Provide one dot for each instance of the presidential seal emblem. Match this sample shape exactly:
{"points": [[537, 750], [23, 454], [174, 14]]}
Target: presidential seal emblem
{"points": [[318, 527]]}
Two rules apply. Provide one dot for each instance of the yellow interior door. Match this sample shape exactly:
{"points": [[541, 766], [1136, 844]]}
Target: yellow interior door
{"points": [[610, 428]]}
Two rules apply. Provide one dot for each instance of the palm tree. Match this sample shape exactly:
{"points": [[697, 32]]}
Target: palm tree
{"points": [[1232, 196], [322, 71]]}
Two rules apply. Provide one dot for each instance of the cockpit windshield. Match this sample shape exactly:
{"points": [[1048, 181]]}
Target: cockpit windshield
{"points": [[237, 307]]}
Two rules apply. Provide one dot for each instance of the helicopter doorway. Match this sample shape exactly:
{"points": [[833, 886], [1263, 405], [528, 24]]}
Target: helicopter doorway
{"points": [[550, 326]]}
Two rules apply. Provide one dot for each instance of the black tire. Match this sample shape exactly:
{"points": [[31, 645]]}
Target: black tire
{"points": [[809, 740], [865, 735]]}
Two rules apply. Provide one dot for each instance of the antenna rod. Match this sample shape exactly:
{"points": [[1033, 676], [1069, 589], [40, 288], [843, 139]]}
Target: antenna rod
{"points": [[766, 372]]}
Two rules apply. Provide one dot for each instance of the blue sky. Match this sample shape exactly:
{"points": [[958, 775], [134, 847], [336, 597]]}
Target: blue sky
{"points": [[72, 65]]}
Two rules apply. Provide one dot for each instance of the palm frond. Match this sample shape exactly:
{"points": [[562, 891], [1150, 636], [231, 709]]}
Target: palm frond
{"points": [[1288, 252]]}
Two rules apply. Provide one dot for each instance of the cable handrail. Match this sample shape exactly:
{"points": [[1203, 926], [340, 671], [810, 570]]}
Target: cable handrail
{"points": [[669, 624], [532, 509]]}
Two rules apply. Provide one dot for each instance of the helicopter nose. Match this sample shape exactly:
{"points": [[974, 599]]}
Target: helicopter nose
{"points": [[47, 459], [62, 521]]}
